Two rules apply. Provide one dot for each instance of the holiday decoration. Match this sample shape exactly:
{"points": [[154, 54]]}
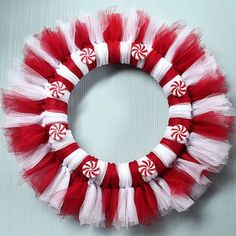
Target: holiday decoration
{"points": [[171, 175]]}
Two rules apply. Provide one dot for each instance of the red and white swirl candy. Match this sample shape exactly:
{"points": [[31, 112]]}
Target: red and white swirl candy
{"points": [[87, 55], [90, 169], [146, 168], [179, 133], [139, 51], [57, 89], [178, 88], [57, 131]]}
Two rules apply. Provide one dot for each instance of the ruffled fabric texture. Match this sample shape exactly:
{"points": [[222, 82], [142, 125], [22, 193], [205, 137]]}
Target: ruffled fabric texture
{"points": [[118, 195]]}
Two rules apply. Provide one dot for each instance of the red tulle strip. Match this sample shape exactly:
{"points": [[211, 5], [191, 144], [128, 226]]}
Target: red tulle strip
{"points": [[208, 85], [144, 197], [43, 173], [188, 53], [151, 60], [15, 102], [76, 191], [114, 29], [110, 193], [174, 100], [160, 167], [114, 52], [179, 181], [26, 138], [213, 125], [55, 105], [82, 39], [174, 146], [38, 64], [54, 43], [169, 75], [164, 38]]}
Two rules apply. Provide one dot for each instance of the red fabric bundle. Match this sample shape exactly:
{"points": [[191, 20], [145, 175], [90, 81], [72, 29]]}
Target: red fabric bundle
{"points": [[110, 193], [54, 43], [76, 191], [26, 138], [15, 102], [38, 64], [164, 38], [41, 175], [144, 197], [179, 181], [82, 39], [187, 53], [113, 35], [213, 125], [209, 85]]}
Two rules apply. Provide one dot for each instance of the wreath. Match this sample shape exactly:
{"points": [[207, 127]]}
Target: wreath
{"points": [[173, 174]]}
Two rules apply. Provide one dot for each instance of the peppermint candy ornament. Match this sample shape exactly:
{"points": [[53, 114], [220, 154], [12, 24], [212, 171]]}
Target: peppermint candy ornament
{"points": [[178, 88], [146, 168], [57, 131], [139, 51], [179, 133], [57, 89], [90, 169], [87, 56]]}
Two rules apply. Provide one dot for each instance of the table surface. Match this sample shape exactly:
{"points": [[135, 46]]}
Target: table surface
{"points": [[117, 114]]}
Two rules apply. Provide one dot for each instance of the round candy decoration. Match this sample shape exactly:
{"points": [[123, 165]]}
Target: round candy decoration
{"points": [[171, 175]]}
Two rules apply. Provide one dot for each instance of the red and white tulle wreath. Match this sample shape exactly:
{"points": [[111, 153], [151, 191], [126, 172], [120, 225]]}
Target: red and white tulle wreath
{"points": [[173, 174]]}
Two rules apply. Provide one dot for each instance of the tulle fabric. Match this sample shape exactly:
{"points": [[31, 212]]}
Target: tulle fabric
{"points": [[119, 195]]}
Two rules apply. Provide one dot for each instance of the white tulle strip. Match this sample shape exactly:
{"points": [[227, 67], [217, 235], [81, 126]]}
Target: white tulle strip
{"points": [[53, 117], [183, 110], [125, 52], [31, 160], [126, 211], [102, 171], [88, 206], [102, 53], [54, 193], [178, 41], [27, 86], [130, 26], [96, 215], [63, 71], [163, 199], [208, 152], [34, 45], [218, 103], [68, 30], [17, 119], [178, 202], [160, 69], [204, 66], [166, 155], [152, 29]]}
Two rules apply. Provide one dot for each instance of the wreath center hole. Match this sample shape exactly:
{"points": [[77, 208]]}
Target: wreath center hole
{"points": [[118, 113]]}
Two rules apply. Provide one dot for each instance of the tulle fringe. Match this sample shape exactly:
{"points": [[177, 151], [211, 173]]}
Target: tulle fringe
{"points": [[119, 198]]}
